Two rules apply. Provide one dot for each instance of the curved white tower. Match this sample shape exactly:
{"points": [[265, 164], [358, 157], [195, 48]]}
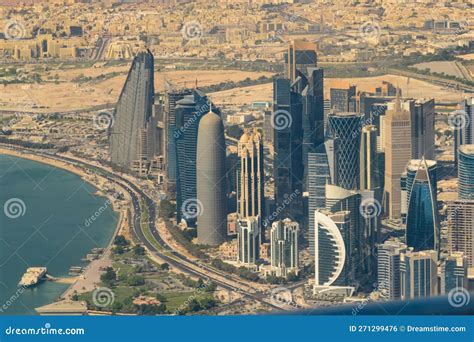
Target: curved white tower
{"points": [[329, 248]]}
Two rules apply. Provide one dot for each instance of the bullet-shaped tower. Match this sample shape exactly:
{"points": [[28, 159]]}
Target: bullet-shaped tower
{"points": [[211, 180]]}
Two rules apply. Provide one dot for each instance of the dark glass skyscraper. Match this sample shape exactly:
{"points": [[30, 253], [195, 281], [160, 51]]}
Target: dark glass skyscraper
{"points": [[343, 99], [346, 128], [288, 158], [422, 230], [189, 111], [170, 113], [463, 125], [299, 99], [133, 112], [466, 172]]}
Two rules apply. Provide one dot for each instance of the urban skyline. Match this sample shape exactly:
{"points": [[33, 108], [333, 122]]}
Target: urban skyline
{"points": [[248, 168]]}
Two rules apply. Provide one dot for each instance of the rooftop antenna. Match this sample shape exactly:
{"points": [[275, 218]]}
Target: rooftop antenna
{"points": [[209, 104], [408, 82], [397, 100]]}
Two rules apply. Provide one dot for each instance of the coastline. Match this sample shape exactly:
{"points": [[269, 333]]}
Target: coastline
{"points": [[92, 270]]}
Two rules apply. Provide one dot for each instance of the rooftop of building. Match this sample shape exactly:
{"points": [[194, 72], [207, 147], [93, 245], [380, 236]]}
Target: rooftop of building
{"points": [[466, 149]]}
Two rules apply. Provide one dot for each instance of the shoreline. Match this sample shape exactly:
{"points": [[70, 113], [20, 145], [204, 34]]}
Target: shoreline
{"points": [[92, 266]]}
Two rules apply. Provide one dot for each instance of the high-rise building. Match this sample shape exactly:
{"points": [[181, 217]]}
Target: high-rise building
{"points": [[422, 127], [298, 120], [463, 125], [211, 180], [130, 140], [340, 199], [248, 240], [318, 177], [454, 273], [461, 228], [188, 112], [284, 247], [466, 171], [397, 140], [250, 175], [407, 180], [288, 167], [346, 129], [422, 228], [388, 268], [171, 99], [331, 257], [369, 165], [300, 56], [418, 274], [343, 98]]}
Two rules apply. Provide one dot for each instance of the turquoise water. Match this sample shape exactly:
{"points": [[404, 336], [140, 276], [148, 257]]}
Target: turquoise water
{"points": [[48, 230]]}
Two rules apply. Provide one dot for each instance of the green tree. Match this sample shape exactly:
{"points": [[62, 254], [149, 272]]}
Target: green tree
{"points": [[109, 277], [138, 250], [120, 240]]}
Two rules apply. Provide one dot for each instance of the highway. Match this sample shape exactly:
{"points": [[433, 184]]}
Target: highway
{"points": [[176, 259]]}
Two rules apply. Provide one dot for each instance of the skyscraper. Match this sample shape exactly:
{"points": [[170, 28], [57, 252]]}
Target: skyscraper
{"points": [[300, 56], [331, 259], [463, 120], [343, 98], [397, 140], [388, 268], [284, 247], [346, 128], [369, 166], [454, 272], [250, 175], [422, 127], [418, 274], [129, 139], [466, 171], [299, 105], [288, 158], [171, 99], [211, 180], [248, 240], [188, 113], [461, 228], [318, 177], [408, 179], [340, 199], [422, 229]]}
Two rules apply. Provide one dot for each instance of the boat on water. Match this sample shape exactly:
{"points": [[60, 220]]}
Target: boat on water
{"points": [[32, 276]]}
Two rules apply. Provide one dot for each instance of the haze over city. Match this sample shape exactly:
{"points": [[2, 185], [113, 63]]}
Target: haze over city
{"points": [[178, 157]]}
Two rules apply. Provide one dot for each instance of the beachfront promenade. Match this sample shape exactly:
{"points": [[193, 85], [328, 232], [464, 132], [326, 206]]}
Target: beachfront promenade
{"points": [[157, 247]]}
